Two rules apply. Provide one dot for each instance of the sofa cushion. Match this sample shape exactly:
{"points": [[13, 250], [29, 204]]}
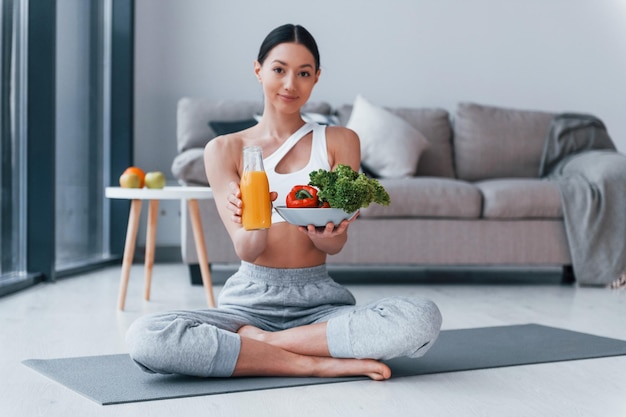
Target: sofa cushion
{"points": [[520, 198], [427, 197], [321, 119], [194, 114], [224, 128], [434, 124], [188, 167], [495, 142], [390, 147], [193, 117]]}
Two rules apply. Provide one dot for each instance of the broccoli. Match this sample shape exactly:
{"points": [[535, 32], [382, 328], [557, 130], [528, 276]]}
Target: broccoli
{"points": [[347, 189]]}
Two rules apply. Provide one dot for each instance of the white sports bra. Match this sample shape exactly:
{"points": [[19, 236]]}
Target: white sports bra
{"points": [[283, 183]]}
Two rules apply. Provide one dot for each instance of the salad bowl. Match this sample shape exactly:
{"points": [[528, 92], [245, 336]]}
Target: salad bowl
{"points": [[318, 217]]}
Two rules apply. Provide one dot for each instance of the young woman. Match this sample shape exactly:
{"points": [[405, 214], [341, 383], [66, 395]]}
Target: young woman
{"points": [[281, 314]]}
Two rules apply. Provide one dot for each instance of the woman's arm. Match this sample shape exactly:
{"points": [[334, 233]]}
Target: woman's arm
{"points": [[343, 148], [222, 158]]}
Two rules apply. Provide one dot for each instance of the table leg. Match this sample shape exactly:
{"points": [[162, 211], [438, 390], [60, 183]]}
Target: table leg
{"points": [[129, 250], [153, 214], [203, 260]]}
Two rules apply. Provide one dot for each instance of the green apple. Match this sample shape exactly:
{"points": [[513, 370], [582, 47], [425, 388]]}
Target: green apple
{"points": [[155, 179], [130, 180]]}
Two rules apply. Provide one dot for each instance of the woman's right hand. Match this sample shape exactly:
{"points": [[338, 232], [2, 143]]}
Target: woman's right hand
{"points": [[235, 203]]}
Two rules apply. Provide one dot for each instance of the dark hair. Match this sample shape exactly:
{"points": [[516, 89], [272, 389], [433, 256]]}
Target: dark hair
{"points": [[286, 34]]}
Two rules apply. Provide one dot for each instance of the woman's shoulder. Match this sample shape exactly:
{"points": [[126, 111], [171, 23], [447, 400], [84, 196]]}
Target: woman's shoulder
{"points": [[341, 133], [344, 146], [224, 147], [228, 141]]}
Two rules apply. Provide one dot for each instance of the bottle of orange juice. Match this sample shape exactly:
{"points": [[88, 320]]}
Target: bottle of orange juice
{"points": [[255, 191]]}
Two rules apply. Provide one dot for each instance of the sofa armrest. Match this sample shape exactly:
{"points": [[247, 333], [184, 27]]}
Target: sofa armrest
{"points": [[188, 167]]}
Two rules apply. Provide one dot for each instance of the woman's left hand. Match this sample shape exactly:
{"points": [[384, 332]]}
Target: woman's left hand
{"points": [[328, 231]]}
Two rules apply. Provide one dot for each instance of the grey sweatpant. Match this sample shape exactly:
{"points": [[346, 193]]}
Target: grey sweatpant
{"points": [[205, 342]]}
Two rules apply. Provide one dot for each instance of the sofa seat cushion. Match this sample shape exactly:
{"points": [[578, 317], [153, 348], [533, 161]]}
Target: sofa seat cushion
{"points": [[494, 142], [520, 198], [427, 197], [188, 167]]}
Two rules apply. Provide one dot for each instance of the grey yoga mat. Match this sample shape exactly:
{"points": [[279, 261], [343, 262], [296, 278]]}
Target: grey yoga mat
{"points": [[115, 379]]}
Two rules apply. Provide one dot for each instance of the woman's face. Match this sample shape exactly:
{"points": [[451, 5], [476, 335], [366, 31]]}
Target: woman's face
{"points": [[288, 76]]}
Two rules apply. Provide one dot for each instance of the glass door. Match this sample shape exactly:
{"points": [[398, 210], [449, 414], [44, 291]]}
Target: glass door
{"points": [[12, 150], [76, 75], [82, 134]]}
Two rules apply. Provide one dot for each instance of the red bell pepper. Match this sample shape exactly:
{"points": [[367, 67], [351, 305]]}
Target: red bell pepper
{"points": [[302, 196]]}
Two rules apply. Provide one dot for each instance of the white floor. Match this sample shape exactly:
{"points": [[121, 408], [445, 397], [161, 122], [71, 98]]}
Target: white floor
{"points": [[77, 317]]}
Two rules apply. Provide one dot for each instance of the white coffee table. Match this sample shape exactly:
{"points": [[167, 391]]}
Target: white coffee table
{"points": [[137, 195]]}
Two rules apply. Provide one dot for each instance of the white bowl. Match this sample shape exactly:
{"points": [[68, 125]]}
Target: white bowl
{"points": [[318, 217]]}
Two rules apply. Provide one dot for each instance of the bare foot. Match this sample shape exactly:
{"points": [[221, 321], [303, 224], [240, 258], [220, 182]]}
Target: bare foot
{"points": [[253, 333], [619, 282], [334, 367], [309, 340], [257, 358]]}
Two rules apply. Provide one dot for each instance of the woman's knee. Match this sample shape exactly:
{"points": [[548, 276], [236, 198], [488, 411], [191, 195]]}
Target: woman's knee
{"points": [[156, 342], [416, 324], [385, 329], [423, 327], [142, 342], [182, 344]]}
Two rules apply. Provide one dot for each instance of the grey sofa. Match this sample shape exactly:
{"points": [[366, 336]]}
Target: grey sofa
{"points": [[475, 198]]}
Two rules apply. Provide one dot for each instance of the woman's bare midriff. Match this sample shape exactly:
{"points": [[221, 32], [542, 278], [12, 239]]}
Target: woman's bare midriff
{"points": [[289, 248]]}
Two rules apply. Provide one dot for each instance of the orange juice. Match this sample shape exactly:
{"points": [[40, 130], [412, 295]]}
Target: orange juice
{"points": [[255, 192]]}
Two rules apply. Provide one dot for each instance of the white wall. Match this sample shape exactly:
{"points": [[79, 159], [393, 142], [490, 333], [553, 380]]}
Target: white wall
{"points": [[553, 55]]}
